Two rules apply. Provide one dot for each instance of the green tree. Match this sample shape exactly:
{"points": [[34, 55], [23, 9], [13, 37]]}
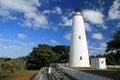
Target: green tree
{"points": [[110, 59], [113, 47], [63, 51], [41, 56], [114, 44]]}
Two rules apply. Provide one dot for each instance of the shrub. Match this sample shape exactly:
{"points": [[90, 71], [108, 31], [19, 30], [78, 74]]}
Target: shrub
{"points": [[13, 65]]}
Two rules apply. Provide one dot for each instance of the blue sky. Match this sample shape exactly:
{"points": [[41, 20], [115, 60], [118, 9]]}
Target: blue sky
{"points": [[26, 23]]}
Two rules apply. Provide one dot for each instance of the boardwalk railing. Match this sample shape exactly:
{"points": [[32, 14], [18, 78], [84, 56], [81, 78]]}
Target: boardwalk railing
{"points": [[38, 76], [79, 75], [57, 74]]}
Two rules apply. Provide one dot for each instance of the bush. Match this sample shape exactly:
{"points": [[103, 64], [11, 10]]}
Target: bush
{"points": [[13, 65]]}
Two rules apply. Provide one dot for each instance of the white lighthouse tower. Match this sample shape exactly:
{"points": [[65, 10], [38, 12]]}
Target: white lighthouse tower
{"points": [[78, 49]]}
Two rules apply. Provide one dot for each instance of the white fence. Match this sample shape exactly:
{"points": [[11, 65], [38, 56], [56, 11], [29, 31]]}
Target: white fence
{"points": [[113, 66], [79, 75], [67, 64]]}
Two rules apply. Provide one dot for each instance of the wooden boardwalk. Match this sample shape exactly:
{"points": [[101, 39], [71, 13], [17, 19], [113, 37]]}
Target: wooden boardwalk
{"points": [[44, 76]]}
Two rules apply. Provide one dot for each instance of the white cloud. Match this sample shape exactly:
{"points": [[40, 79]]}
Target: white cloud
{"points": [[46, 12], [16, 42], [118, 25], [32, 17], [39, 21], [67, 36], [93, 50], [10, 47], [103, 45], [97, 49], [5, 13], [64, 18], [14, 47], [87, 27], [98, 36], [21, 6], [21, 36], [104, 26], [114, 12], [58, 10], [55, 28], [101, 2], [14, 51], [66, 21], [31, 43], [54, 42], [93, 16], [70, 13]]}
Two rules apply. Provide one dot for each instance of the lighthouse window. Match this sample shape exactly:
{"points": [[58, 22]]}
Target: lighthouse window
{"points": [[80, 57], [102, 62], [79, 37]]}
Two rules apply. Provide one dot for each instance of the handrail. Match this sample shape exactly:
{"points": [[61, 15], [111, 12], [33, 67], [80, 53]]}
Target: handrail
{"points": [[38, 76]]}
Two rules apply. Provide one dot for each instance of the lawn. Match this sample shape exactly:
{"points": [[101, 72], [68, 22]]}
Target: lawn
{"points": [[110, 73], [70, 77], [21, 75]]}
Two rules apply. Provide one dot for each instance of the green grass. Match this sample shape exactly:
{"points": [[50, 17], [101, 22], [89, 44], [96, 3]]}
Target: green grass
{"points": [[70, 77], [110, 73], [20, 75]]}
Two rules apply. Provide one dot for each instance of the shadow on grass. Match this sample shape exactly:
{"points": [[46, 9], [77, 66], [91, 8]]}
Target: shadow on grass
{"points": [[4, 76], [70, 77], [113, 74], [110, 73]]}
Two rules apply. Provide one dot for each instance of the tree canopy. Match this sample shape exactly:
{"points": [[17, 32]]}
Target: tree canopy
{"points": [[114, 44], [63, 51], [41, 56], [113, 48]]}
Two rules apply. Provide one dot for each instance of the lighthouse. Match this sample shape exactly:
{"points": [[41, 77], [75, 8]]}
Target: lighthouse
{"points": [[78, 49]]}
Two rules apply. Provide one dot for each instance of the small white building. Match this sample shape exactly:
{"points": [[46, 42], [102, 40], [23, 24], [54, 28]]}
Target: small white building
{"points": [[98, 63]]}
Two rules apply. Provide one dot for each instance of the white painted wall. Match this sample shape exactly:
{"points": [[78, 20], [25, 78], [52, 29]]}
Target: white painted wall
{"points": [[98, 63], [78, 49]]}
